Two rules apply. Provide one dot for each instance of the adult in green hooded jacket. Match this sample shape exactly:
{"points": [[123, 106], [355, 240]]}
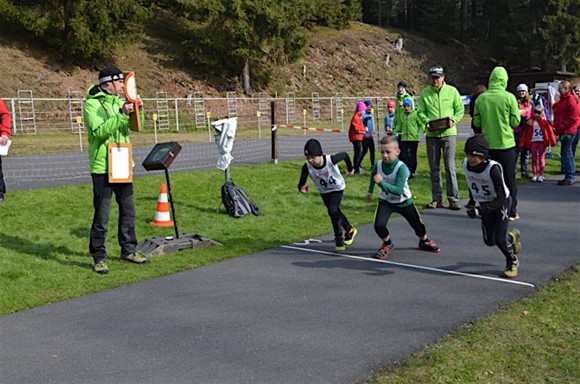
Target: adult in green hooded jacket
{"points": [[496, 112], [437, 101], [107, 121]]}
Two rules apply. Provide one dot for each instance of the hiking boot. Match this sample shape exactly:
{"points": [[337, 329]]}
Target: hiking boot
{"points": [[454, 206], [429, 246], [516, 243], [435, 204], [349, 237], [135, 257], [385, 251], [566, 182], [101, 268], [339, 244], [511, 269]]}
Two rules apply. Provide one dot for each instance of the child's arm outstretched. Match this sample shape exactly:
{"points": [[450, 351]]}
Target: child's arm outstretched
{"points": [[343, 156], [302, 184]]}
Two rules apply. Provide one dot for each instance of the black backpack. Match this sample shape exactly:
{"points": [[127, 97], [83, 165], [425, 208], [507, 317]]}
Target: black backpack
{"points": [[237, 201]]}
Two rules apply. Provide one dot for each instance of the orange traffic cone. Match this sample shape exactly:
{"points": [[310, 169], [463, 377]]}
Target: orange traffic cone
{"points": [[162, 218]]}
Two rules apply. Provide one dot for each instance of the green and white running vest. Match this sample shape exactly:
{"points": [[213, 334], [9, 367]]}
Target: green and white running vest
{"points": [[481, 184], [327, 179], [390, 179]]}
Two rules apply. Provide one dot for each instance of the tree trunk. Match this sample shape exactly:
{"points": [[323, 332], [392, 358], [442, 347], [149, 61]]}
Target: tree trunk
{"points": [[246, 78], [464, 20]]}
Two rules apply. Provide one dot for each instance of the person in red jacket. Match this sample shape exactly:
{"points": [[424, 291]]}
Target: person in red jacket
{"points": [[566, 122], [5, 123], [355, 134], [537, 135]]}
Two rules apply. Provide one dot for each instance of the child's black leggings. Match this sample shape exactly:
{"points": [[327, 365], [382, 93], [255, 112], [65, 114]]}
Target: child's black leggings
{"points": [[495, 230], [410, 213], [332, 201]]}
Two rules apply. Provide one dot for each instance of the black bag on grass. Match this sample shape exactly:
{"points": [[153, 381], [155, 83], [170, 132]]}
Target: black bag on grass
{"points": [[237, 201]]}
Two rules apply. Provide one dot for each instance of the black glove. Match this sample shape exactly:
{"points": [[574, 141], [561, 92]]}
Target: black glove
{"points": [[472, 212]]}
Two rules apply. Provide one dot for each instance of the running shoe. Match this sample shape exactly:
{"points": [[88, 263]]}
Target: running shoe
{"points": [[339, 244], [429, 246], [516, 243], [349, 237], [511, 269], [385, 251]]}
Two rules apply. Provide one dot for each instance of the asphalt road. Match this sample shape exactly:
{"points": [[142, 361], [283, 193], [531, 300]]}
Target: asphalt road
{"points": [[299, 313]]}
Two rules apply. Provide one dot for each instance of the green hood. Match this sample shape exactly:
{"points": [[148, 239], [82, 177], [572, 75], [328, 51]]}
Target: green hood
{"points": [[498, 78]]}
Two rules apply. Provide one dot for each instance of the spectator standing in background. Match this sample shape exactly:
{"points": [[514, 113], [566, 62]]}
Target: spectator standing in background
{"points": [[525, 106], [478, 91], [577, 137], [496, 112], [5, 124], [356, 131], [401, 95], [566, 122], [441, 101], [368, 143]]}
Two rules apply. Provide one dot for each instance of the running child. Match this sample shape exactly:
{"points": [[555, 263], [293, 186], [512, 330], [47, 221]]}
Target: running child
{"points": [[537, 136], [324, 172], [487, 187], [391, 175]]}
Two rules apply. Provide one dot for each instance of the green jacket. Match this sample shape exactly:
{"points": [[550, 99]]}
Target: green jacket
{"points": [[496, 112], [409, 126], [105, 124], [399, 110], [439, 103]]}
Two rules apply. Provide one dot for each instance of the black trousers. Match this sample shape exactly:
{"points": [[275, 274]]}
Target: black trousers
{"points": [[339, 221], [102, 194], [495, 230], [368, 145], [357, 147], [2, 185], [508, 160], [409, 155], [410, 213]]}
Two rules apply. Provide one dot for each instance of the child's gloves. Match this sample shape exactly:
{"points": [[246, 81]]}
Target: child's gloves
{"points": [[472, 212]]}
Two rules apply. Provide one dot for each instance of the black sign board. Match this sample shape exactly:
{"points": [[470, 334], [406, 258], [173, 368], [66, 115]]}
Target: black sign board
{"points": [[161, 156]]}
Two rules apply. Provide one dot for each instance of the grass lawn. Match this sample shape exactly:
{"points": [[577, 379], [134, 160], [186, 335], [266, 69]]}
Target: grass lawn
{"points": [[44, 259]]}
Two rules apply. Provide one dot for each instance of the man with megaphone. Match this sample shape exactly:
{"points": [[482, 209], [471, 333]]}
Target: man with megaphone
{"points": [[108, 124]]}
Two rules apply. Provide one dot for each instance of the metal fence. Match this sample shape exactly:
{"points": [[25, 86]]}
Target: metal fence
{"points": [[32, 115]]}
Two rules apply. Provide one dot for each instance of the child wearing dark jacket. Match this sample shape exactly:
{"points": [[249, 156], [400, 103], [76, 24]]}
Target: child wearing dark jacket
{"points": [[324, 172], [488, 189]]}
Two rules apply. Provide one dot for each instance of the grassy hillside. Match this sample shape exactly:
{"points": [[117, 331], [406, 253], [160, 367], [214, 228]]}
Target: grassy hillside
{"points": [[348, 62]]}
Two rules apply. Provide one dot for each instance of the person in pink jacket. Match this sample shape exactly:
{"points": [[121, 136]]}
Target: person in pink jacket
{"points": [[5, 123], [356, 132], [537, 135]]}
